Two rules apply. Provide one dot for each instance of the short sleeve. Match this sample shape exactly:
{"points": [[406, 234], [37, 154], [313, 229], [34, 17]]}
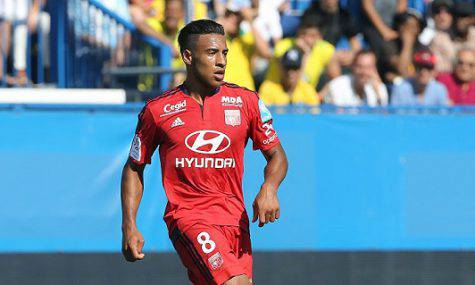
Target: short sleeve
{"points": [[145, 140], [262, 131]]}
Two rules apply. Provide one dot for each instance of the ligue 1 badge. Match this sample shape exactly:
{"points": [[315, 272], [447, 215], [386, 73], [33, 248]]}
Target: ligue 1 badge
{"points": [[135, 148], [232, 117], [265, 113]]}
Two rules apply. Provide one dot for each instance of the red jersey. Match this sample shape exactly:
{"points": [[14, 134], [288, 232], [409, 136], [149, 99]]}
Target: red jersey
{"points": [[201, 151]]}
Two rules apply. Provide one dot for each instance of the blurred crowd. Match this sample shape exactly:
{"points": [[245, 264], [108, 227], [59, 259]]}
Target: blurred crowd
{"points": [[19, 19], [388, 54], [340, 52]]}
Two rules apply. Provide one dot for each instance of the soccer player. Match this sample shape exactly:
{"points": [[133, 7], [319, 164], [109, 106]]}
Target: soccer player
{"points": [[201, 129]]}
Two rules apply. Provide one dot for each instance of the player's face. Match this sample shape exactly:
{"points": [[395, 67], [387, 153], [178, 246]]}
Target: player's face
{"points": [[209, 59]]}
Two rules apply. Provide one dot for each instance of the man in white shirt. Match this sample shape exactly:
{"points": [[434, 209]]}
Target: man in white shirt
{"points": [[363, 87]]}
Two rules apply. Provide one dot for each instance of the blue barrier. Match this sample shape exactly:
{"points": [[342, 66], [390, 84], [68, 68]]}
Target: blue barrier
{"points": [[371, 181]]}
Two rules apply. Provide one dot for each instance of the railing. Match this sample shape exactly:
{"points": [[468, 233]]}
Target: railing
{"points": [[91, 38]]}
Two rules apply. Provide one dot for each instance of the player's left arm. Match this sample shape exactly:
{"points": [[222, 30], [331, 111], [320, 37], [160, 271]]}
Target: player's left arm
{"points": [[266, 205]]}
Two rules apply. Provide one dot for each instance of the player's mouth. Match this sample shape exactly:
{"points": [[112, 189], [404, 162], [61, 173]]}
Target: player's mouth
{"points": [[219, 75]]}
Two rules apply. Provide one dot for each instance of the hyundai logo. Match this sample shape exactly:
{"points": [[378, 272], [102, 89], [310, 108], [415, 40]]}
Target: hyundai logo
{"points": [[207, 142]]}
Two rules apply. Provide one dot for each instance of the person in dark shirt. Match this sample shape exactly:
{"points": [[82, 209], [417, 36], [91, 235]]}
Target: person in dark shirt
{"points": [[338, 22], [339, 25], [378, 29]]}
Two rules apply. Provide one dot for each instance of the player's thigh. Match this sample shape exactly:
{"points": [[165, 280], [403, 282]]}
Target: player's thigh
{"points": [[239, 280], [206, 252]]}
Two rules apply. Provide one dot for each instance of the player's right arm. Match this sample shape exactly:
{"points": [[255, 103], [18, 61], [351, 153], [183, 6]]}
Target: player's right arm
{"points": [[144, 144], [131, 194]]}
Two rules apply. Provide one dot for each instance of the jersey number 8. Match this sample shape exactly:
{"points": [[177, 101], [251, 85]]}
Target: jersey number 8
{"points": [[207, 245]]}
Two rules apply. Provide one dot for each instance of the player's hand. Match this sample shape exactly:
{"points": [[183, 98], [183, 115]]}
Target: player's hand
{"points": [[266, 205], [132, 244]]}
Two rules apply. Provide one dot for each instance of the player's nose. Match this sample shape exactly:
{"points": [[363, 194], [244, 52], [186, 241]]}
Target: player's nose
{"points": [[221, 60]]}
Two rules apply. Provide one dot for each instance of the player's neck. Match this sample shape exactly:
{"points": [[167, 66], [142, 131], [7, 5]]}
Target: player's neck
{"points": [[196, 90]]}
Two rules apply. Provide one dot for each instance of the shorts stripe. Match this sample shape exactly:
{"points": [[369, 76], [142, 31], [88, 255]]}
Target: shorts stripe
{"points": [[197, 259]]}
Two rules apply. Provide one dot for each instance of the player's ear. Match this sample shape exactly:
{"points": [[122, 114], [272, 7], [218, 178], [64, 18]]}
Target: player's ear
{"points": [[187, 56]]}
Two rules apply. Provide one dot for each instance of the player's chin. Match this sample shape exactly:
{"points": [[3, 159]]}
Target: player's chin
{"points": [[216, 81]]}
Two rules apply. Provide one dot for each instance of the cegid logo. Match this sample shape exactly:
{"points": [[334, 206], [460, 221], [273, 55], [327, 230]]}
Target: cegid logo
{"points": [[207, 142], [271, 139], [176, 108]]}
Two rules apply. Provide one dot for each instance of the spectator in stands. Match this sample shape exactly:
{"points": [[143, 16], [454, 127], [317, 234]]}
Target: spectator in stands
{"points": [[26, 19], [446, 43], [167, 29], [140, 12], [362, 87], [378, 25], [439, 34], [242, 45], [318, 54], [409, 25], [220, 6], [157, 7], [120, 39], [5, 30], [442, 15], [15, 12], [422, 89], [339, 26], [464, 13], [292, 89], [268, 20], [461, 83]]}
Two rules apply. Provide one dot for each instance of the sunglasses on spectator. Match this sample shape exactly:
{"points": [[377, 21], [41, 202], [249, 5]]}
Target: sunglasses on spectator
{"points": [[470, 64]]}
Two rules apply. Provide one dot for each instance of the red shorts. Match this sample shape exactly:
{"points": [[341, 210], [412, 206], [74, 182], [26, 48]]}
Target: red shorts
{"points": [[213, 254]]}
